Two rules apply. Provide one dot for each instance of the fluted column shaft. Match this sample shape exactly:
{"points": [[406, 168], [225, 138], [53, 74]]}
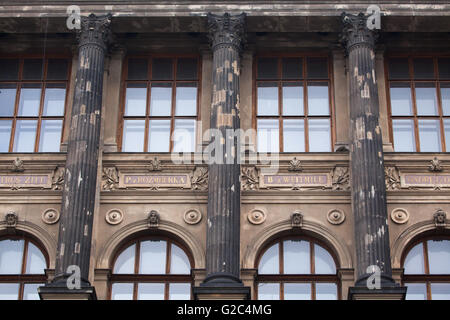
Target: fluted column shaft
{"points": [[223, 228], [78, 198], [366, 153]]}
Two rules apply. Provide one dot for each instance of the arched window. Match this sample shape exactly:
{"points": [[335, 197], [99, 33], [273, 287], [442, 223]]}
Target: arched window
{"points": [[427, 270], [297, 269], [151, 269], [22, 269]]}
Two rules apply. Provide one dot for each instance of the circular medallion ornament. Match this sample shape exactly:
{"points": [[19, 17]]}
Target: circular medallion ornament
{"points": [[256, 216], [192, 216], [336, 216], [400, 215], [50, 216], [114, 216]]}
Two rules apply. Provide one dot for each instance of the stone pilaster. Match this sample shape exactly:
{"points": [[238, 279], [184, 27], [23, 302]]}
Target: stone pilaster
{"points": [[78, 198], [367, 165], [226, 34]]}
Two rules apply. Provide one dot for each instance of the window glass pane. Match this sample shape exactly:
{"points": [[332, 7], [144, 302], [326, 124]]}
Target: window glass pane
{"points": [[133, 136], [186, 99], [401, 104], [54, 101], [122, 291], [445, 95], [153, 257], [296, 257], [268, 291], [439, 256], [137, 69], [179, 262], [423, 68], [151, 291], [32, 69], [404, 140], [440, 291], [7, 99], [444, 68], [426, 99], [398, 68], [159, 136], [268, 135], [36, 263], [57, 69], [293, 99], [9, 291], [326, 291], [50, 138], [187, 69], [297, 291], [25, 135], [125, 261], [430, 135], [292, 68], [9, 69], [30, 99], [446, 128], [416, 291], [267, 68], [179, 291], [267, 99], [324, 263], [294, 135], [30, 291], [5, 135], [318, 99], [162, 69], [317, 68], [161, 99], [414, 262], [136, 100], [270, 263], [319, 135], [184, 135], [11, 254]]}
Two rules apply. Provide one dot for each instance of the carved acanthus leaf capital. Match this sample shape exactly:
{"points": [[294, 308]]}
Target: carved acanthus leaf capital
{"points": [[95, 30], [355, 31]]}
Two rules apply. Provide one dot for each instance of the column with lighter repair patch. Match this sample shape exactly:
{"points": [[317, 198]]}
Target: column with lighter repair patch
{"points": [[367, 167]]}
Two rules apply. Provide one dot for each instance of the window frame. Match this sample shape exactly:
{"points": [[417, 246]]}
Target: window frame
{"points": [[137, 278], [411, 80], [43, 82], [24, 278], [279, 80], [148, 82], [425, 278], [311, 278]]}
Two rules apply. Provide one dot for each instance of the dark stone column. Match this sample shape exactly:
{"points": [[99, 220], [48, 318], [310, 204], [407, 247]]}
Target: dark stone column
{"points": [[226, 34], [367, 165], [78, 197]]}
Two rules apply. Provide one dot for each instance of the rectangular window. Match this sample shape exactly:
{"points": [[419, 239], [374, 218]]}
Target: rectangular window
{"points": [[160, 104], [419, 89], [293, 104], [32, 103]]}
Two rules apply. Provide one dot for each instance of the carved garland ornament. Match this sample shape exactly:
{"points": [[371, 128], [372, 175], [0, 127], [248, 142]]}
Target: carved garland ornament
{"points": [[341, 179], [249, 178], [392, 178], [199, 179], [110, 179]]}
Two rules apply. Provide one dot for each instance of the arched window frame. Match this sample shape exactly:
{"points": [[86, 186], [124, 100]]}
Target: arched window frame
{"points": [[426, 277], [24, 278], [137, 278], [297, 278]]}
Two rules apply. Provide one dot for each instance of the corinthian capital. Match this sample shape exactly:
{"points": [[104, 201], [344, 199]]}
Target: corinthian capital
{"points": [[226, 30], [355, 31], [95, 30]]}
